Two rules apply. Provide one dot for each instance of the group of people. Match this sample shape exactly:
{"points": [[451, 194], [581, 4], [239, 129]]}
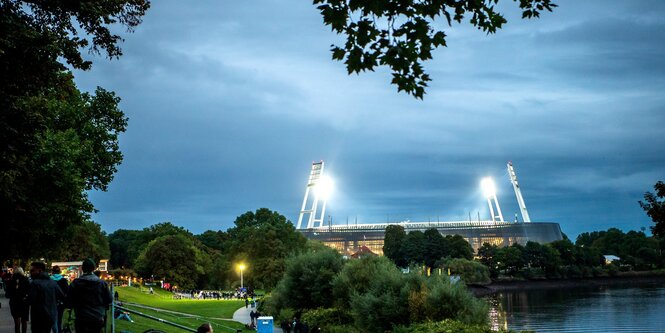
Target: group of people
{"points": [[43, 298], [296, 326]]}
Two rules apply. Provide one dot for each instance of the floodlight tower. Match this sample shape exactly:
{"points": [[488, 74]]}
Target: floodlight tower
{"points": [[321, 186], [518, 193], [489, 191]]}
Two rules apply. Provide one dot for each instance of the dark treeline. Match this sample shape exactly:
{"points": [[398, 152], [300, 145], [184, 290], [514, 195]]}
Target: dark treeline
{"points": [[559, 259], [261, 240]]}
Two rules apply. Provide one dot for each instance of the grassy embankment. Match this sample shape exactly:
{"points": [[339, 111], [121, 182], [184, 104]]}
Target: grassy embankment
{"points": [[216, 312]]}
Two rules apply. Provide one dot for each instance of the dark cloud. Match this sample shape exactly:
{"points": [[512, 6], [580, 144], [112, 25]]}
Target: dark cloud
{"points": [[229, 103]]}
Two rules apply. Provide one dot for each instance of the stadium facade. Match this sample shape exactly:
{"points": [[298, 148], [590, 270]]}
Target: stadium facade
{"points": [[348, 239]]}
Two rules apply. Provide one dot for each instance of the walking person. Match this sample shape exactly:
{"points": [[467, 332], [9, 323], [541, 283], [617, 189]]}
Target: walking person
{"points": [[90, 297], [43, 297], [16, 289], [62, 283]]}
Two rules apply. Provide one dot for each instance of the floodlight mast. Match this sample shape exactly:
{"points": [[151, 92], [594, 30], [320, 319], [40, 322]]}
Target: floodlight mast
{"points": [[489, 191], [518, 193], [315, 180]]}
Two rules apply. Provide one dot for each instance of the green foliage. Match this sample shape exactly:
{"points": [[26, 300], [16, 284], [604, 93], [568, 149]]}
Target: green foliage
{"points": [[73, 149], [326, 319], [58, 143], [262, 240], [469, 271], [125, 247], [384, 303], [414, 247], [356, 278], [86, 240], [446, 326], [654, 205], [634, 248], [436, 247], [308, 280], [458, 247], [392, 245], [174, 258], [401, 35], [446, 300]]}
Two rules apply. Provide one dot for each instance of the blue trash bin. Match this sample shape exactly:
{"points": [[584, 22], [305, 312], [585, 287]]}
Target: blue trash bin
{"points": [[264, 324]]}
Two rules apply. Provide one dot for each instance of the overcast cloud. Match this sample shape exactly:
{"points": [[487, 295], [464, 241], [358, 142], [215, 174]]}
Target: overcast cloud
{"points": [[230, 102]]}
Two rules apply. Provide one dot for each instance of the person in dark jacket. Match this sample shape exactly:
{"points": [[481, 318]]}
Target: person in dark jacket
{"points": [[43, 297], [90, 298], [62, 283], [16, 290]]}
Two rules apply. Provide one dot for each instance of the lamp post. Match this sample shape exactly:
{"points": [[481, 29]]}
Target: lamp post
{"points": [[241, 267]]}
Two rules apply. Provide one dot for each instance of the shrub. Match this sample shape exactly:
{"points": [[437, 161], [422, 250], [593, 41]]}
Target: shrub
{"points": [[325, 319], [446, 326], [307, 280], [469, 271], [446, 300]]}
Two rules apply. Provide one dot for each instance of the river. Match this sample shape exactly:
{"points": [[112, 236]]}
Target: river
{"points": [[589, 309]]}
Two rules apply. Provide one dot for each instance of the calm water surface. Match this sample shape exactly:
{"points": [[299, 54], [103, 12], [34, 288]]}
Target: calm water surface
{"points": [[596, 309]]}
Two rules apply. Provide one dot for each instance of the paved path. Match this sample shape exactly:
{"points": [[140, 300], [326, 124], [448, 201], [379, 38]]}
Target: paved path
{"points": [[6, 320], [242, 316]]}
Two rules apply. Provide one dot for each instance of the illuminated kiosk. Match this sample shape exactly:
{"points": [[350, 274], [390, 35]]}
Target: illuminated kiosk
{"points": [[348, 239]]}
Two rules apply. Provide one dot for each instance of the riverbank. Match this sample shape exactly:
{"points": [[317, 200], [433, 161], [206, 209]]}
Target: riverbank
{"points": [[626, 278]]}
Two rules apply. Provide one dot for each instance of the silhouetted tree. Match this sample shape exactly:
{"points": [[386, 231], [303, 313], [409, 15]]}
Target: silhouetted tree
{"points": [[654, 205]]}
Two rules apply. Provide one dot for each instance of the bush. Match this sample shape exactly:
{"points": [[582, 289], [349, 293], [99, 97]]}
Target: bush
{"points": [[307, 280], [447, 300], [446, 326], [325, 319], [469, 271]]}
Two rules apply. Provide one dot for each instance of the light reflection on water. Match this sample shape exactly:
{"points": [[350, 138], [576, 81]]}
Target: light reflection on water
{"points": [[593, 309]]}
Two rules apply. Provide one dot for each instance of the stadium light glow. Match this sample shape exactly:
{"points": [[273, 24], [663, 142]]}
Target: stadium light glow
{"points": [[488, 187], [324, 187]]}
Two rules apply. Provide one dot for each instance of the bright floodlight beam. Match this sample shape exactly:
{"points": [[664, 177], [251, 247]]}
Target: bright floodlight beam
{"points": [[489, 191], [488, 187], [324, 187]]}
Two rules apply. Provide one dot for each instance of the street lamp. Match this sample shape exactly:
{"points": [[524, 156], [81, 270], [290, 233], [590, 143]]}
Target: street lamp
{"points": [[241, 267]]}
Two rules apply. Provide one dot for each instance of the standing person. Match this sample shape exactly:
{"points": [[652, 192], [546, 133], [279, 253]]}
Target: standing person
{"points": [[43, 297], [16, 289], [62, 283], [90, 297]]}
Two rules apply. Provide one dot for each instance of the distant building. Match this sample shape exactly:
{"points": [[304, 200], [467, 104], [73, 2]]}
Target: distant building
{"points": [[610, 259], [72, 269], [349, 239], [364, 251]]}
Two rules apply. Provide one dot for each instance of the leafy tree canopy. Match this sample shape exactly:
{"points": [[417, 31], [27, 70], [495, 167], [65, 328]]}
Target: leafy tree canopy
{"points": [[400, 35], [262, 240], [654, 205], [56, 143], [174, 258]]}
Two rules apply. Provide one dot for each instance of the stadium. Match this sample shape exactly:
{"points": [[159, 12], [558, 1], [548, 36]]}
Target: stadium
{"points": [[349, 239]]}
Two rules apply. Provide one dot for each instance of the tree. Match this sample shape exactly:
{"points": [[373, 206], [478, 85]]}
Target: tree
{"points": [[654, 205], [86, 240], [401, 34], [392, 245], [125, 247], [414, 247], [174, 258], [75, 150], [263, 240], [55, 142], [458, 247], [308, 279], [435, 247]]}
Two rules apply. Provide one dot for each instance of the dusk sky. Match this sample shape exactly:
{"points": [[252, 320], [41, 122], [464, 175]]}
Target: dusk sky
{"points": [[230, 102]]}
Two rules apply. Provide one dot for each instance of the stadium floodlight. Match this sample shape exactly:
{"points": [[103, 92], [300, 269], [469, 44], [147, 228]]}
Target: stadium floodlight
{"points": [[488, 187], [324, 187]]}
